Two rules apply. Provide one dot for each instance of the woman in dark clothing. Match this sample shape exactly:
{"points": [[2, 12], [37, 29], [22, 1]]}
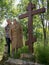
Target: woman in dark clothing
{"points": [[7, 35]]}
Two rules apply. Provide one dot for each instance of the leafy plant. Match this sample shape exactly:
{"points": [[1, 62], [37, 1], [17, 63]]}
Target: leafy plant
{"points": [[42, 53], [24, 49]]}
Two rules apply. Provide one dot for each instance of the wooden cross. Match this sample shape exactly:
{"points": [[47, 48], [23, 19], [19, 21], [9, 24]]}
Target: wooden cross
{"points": [[30, 14]]}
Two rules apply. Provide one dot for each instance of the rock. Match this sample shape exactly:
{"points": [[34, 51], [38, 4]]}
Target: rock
{"points": [[28, 57], [24, 55], [12, 61]]}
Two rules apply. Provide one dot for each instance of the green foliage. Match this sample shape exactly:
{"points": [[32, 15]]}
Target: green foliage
{"points": [[42, 53], [2, 43], [24, 49], [2, 40], [6, 9], [47, 9], [17, 54]]}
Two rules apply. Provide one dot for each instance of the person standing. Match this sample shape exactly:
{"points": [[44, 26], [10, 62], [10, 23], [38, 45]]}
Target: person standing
{"points": [[7, 36], [16, 36]]}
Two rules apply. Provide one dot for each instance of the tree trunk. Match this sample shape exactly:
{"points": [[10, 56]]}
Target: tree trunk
{"points": [[42, 20]]}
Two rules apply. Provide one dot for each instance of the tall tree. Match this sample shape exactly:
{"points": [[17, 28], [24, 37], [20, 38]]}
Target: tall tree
{"points": [[6, 8], [47, 9]]}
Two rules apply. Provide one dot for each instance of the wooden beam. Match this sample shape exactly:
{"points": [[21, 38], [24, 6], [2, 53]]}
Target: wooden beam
{"points": [[31, 6], [23, 16], [39, 11]]}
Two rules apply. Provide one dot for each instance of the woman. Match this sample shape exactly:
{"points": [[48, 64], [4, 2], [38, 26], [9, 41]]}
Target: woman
{"points": [[16, 36]]}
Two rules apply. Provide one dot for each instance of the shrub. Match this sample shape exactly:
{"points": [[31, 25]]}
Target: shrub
{"points": [[24, 49], [42, 53]]}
